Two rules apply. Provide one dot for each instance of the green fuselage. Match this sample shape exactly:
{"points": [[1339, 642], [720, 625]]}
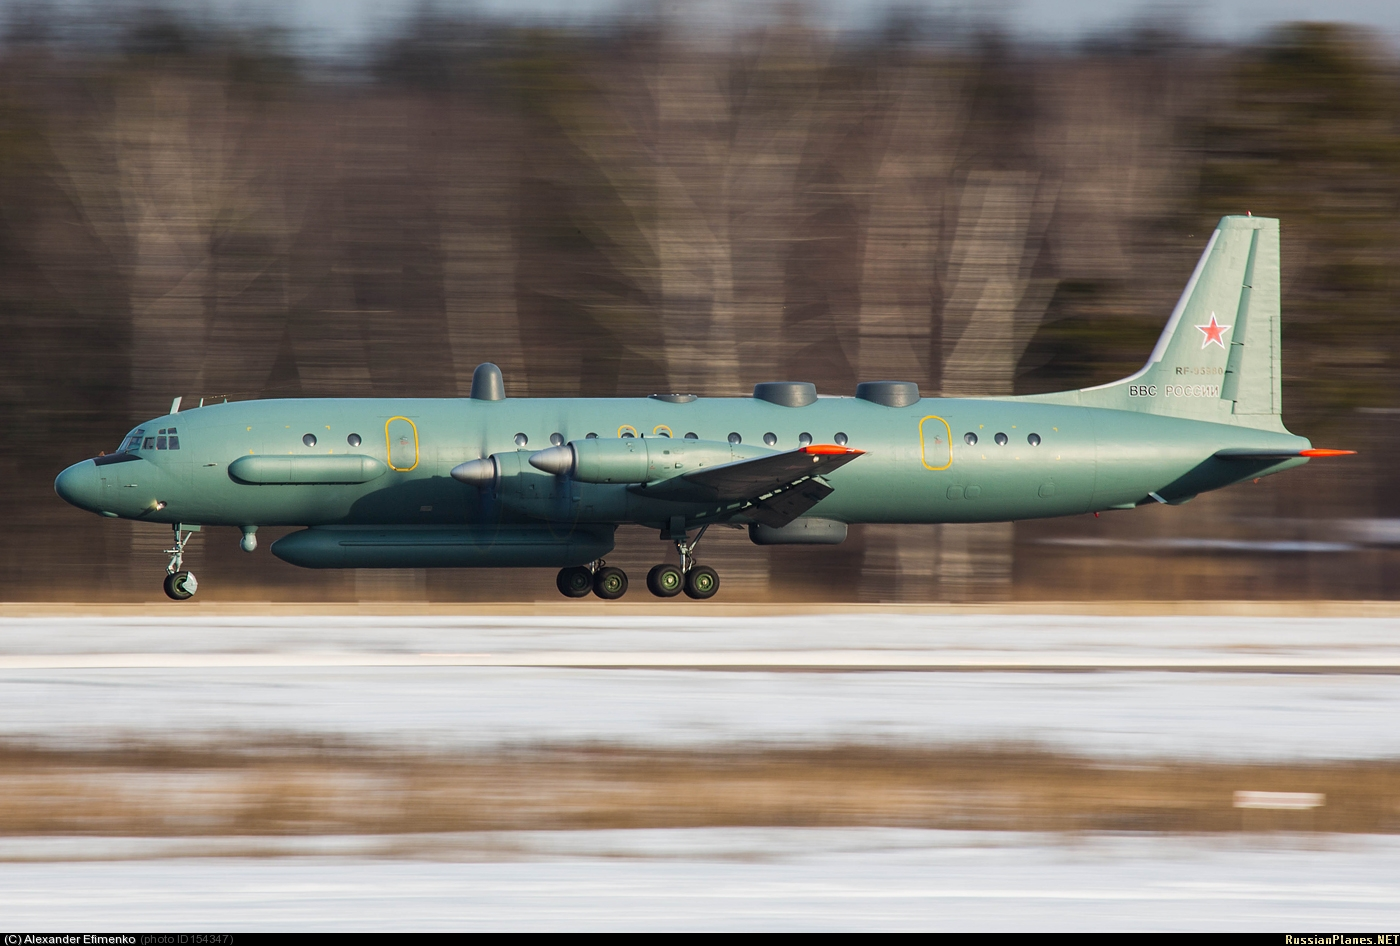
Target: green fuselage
{"points": [[917, 467], [491, 481]]}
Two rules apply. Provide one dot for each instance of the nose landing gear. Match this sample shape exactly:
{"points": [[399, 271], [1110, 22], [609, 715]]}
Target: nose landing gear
{"points": [[179, 584]]}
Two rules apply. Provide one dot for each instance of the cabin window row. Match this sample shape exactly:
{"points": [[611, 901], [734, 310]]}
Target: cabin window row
{"points": [[556, 439], [1001, 439], [353, 440], [771, 439]]}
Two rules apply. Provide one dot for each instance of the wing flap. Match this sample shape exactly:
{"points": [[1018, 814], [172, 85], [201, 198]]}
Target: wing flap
{"points": [[782, 507], [745, 479], [756, 479]]}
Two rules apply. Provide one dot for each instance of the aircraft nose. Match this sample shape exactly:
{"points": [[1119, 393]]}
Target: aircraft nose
{"points": [[80, 485]]}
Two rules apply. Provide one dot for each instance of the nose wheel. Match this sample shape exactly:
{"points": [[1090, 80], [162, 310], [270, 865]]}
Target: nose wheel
{"points": [[180, 585]]}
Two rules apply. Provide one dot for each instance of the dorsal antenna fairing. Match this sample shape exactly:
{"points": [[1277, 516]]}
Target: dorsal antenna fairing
{"points": [[487, 383]]}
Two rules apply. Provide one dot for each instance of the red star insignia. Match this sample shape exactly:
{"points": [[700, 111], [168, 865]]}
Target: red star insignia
{"points": [[1214, 332]]}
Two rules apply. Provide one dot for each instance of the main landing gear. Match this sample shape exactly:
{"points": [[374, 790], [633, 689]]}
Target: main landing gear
{"points": [[179, 584], [699, 582], [598, 577], [664, 581]]}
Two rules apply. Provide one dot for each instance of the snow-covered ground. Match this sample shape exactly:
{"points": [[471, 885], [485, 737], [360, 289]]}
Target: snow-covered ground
{"points": [[1111, 713], [711, 878], [738, 879]]}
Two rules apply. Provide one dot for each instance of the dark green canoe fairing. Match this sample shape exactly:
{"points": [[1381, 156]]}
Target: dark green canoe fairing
{"points": [[374, 477]]}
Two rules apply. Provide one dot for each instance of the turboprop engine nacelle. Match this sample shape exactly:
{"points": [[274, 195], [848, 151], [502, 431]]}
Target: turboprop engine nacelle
{"points": [[633, 460]]}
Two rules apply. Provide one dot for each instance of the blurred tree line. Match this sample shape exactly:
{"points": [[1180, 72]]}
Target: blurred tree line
{"points": [[197, 211]]}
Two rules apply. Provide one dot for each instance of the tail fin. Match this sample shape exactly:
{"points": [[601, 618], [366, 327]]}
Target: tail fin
{"points": [[1218, 358]]}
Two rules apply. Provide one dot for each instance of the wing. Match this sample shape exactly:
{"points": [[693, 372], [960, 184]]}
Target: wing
{"points": [[774, 489]]}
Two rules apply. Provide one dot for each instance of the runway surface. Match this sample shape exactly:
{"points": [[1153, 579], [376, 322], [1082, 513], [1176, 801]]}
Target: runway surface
{"points": [[1261, 688]]}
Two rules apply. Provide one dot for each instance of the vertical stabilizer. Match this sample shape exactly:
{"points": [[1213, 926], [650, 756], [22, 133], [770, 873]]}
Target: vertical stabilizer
{"points": [[1218, 358]]}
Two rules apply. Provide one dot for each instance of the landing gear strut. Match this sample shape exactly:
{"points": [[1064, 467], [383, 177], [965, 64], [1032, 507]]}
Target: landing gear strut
{"points": [[697, 581], [179, 584]]}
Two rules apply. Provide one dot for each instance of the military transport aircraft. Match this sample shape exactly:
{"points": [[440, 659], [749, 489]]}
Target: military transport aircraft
{"points": [[498, 482]]}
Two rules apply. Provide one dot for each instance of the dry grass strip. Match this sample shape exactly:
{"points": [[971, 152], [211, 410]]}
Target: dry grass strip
{"points": [[298, 788]]}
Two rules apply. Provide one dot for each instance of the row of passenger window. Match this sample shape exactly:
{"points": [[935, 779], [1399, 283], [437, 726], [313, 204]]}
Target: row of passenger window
{"points": [[556, 439], [628, 433], [353, 440], [1001, 439]]}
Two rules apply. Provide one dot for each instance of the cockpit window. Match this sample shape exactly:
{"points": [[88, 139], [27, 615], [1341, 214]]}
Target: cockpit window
{"points": [[165, 440], [150, 444], [132, 442]]}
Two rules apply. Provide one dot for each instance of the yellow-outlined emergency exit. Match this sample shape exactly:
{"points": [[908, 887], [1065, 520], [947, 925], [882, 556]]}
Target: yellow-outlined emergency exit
{"points": [[401, 455], [936, 446]]}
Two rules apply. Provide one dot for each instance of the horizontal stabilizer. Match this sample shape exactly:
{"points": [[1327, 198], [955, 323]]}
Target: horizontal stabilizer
{"points": [[1246, 453]]}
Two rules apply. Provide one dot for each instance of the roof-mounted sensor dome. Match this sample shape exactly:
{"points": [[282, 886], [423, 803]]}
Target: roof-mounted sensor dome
{"points": [[786, 393], [889, 393]]}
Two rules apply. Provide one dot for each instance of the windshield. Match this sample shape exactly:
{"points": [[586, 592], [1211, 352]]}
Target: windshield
{"points": [[132, 443]]}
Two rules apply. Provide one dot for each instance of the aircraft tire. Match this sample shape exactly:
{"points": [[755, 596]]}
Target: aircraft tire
{"points": [[575, 582], [180, 586], [701, 582], [610, 583], [665, 581]]}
